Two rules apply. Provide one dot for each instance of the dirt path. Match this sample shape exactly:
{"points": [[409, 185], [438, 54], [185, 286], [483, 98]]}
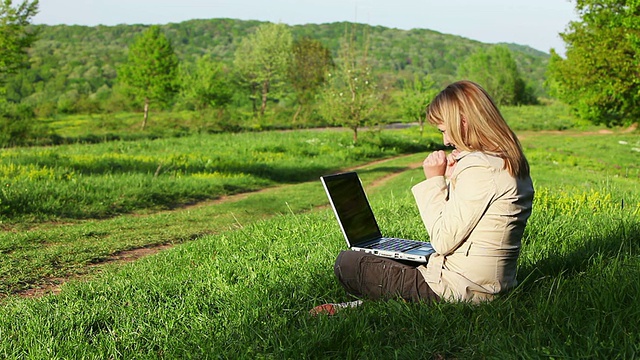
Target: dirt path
{"points": [[52, 285]]}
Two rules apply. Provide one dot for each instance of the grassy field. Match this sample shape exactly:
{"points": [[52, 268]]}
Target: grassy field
{"points": [[247, 270], [89, 181], [95, 128]]}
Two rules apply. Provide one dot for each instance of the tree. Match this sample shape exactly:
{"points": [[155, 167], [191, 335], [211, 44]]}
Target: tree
{"points": [[309, 67], [15, 36], [204, 85], [262, 59], [599, 76], [151, 70], [415, 97], [497, 72], [17, 123], [350, 97]]}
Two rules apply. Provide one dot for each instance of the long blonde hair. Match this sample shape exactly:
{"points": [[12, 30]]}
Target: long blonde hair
{"points": [[485, 130]]}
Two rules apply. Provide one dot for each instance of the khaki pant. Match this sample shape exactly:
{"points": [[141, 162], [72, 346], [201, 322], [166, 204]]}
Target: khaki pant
{"points": [[374, 277]]}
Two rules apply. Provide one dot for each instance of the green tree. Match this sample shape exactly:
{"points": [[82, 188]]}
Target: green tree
{"points": [[309, 67], [15, 37], [599, 76], [150, 73], [17, 121], [262, 60], [204, 85], [415, 97], [350, 97], [496, 70]]}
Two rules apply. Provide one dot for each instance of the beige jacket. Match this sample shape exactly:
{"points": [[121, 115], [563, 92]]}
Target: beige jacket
{"points": [[475, 224]]}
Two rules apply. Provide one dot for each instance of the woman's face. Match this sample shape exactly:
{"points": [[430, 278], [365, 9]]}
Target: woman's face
{"points": [[446, 138], [445, 135]]}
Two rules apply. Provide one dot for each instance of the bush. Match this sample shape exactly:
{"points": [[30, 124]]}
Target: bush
{"points": [[18, 125]]}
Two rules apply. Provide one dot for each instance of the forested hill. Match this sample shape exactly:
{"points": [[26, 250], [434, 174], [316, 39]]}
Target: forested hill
{"points": [[86, 58]]}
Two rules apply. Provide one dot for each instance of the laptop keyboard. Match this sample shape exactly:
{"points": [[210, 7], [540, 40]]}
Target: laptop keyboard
{"points": [[395, 244]]}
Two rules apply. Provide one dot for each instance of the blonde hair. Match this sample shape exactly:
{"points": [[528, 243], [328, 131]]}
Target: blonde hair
{"points": [[485, 130]]}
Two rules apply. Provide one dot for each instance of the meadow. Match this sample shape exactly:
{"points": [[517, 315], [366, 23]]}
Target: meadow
{"points": [[88, 181], [244, 273]]}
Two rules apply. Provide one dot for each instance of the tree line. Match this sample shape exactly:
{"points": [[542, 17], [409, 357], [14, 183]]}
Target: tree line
{"points": [[271, 67], [343, 73]]}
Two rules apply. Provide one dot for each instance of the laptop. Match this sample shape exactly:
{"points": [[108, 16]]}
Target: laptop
{"points": [[359, 225]]}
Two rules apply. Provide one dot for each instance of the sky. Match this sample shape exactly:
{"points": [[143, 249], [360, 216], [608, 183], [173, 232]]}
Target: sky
{"points": [[535, 23]]}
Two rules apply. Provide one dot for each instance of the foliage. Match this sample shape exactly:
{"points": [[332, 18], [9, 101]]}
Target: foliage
{"points": [[15, 36], [151, 69], [415, 98], [496, 71], [308, 70], [350, 97], [205, 84], [599, 76], [85, 59], [18, 126], [262, 60]]}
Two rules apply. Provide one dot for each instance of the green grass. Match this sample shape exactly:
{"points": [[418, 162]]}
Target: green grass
{"points": [[95, 128], [38, 256], [551, 116], [86, 181], [91, 128], [586, 161], [245, 292]]}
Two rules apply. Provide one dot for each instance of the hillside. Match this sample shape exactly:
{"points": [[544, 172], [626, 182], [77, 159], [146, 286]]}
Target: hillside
{"points": [[84, 60]]}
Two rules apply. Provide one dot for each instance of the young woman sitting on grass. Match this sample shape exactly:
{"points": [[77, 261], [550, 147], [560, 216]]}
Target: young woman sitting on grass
{"points": [[474, 203]]}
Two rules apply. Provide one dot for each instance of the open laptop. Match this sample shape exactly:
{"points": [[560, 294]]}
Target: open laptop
{"points": [[359, 225]]}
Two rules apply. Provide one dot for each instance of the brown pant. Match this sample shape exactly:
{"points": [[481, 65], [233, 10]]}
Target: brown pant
{"points": [[374, 277]]}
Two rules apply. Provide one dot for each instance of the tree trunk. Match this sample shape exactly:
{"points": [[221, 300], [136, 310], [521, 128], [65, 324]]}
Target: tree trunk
{"points": [[295, 116], [254, 97], [146, 113], [355, 134], [265, 93]]}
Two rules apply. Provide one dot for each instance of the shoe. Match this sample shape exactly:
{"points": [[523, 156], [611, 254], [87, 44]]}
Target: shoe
{"points": [[330, 309]]}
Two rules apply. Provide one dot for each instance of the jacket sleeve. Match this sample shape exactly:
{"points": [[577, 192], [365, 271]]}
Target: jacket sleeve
{"points": [[451, 214]]}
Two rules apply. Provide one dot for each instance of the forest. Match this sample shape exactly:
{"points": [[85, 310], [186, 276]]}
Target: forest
{"points": [[74, 69]]}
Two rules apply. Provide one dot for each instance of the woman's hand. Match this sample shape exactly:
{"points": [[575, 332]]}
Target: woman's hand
{"points": [[435, 164], [438, 163], [451, 163]]}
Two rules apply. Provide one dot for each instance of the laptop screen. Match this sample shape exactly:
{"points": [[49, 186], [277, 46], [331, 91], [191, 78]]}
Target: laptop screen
{"points": [[351, 206]]}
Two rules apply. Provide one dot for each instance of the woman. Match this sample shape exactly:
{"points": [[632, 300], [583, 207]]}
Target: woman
{"points": [[474, 203]]}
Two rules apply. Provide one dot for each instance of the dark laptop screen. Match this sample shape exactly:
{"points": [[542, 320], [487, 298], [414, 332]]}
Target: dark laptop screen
{"points": [[351, 207]]}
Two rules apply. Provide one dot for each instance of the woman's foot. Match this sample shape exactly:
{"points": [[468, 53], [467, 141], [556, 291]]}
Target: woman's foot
{"points": [[331, 308]]}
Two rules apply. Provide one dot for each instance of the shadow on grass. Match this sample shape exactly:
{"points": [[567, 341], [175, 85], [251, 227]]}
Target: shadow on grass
{"points": [[623, 240]]}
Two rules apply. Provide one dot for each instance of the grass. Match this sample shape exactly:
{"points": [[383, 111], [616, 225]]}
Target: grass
{"points": [[245, 292], [96, 128], [86, 181], [551, 116], [42, 254]]}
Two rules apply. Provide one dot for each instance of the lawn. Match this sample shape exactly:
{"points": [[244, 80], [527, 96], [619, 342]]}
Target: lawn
{"points": [[242, 288]]}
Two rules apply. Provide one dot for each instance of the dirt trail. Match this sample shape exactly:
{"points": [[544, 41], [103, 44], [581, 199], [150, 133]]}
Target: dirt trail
{"points": [[52, 285]]}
